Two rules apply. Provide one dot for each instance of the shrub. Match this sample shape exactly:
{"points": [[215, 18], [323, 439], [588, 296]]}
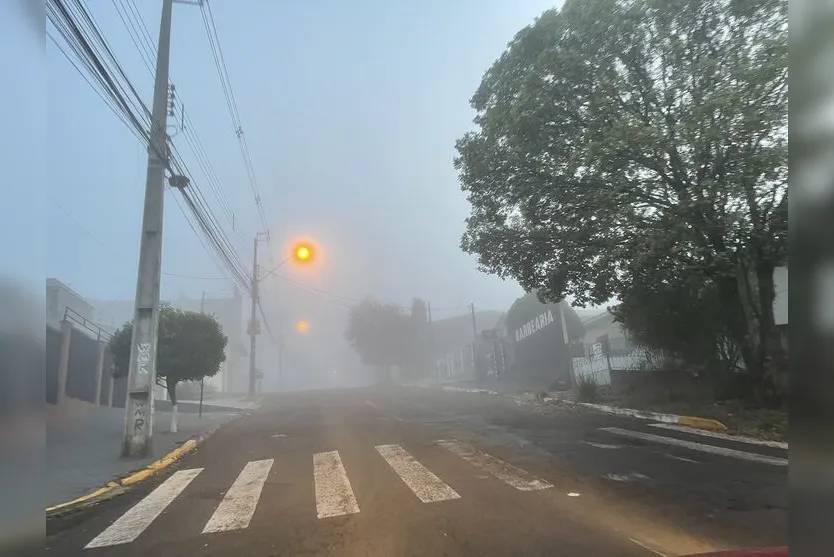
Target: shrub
{"points": [[587, 389]]}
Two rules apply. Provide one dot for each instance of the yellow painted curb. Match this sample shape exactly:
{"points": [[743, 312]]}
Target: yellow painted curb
{"points": [[134, 478], [97, 493], [701, 423]]}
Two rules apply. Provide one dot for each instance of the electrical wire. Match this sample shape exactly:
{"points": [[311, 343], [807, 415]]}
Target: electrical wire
{"points": [[83, 37], [138, 31], [231, 105]]}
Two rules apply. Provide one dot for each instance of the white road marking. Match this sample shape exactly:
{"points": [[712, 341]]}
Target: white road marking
{"points": [[732, 453], [644, 546], [725, 436], [371, 404], [602, 445], [237, 507], [425, 485], [683, 458], [630, 477], [505, 472], [334, 496], [128, 527]]}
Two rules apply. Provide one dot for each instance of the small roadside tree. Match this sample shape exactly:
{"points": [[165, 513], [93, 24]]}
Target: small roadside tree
{"points": [[190, 346]]}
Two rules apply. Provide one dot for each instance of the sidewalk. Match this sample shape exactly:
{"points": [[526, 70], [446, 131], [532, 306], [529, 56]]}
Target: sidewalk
{"points": [[83, 443]]}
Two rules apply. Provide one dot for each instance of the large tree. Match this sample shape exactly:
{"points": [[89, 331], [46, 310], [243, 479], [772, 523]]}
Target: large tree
{"points": [[190, 346], [615, 136], [381, 334]]}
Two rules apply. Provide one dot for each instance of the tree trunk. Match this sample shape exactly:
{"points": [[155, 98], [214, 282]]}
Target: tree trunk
{"points": [[738, 322], [771, 352], [171, 386]]}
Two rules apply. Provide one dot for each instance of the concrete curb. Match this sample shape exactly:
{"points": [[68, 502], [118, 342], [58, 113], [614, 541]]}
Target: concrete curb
{"points": [[469, 390], [132, 479], [688, 421]]}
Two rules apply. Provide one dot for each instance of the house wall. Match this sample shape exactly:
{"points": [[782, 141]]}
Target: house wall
{"points": [[605, 325], [59, 296]]}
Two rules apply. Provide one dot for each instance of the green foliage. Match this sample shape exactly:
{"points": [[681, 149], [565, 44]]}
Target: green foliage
{"points": [[681, 318], [619, 137], [587, 389], [379, 333], [190, 346], [383, 335]]}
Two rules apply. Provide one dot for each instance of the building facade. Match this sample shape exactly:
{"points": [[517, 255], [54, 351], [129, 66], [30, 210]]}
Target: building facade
{"points": [[59, 297]]}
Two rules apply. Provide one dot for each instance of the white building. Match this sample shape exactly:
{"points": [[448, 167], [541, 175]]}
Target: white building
{"points": [[59, 297]]}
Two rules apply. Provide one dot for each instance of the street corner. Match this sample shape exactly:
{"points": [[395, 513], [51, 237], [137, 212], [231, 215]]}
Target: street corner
{"points": [[120, 485]]}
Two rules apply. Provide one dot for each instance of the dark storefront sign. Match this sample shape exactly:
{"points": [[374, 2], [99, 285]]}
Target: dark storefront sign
{"points": [[540, 355]]}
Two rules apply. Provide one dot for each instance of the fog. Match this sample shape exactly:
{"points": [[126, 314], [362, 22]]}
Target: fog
{"points": [[350, 117]]}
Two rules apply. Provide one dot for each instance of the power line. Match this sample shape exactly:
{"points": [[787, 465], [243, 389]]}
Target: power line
{"points": [[81, 33], [231, 105], [110, 250], [138, 31]]}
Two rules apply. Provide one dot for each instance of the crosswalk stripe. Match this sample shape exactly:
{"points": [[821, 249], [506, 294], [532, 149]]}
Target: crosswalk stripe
{"points": [[425, 485], [512, 475], [128, 527], [239, 503], [334, 496], [723, 451]]}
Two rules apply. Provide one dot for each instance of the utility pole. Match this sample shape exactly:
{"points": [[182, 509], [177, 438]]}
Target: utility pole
{"points": [[431, 343], [139, 407], [254, 328], [280, 353], [474, 340], [202, 379]]}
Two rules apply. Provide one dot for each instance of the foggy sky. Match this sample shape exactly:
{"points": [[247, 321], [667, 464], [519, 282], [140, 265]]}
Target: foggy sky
{"points": [[351, 111]]}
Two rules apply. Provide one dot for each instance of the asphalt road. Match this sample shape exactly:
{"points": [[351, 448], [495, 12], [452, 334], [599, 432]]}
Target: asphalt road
{"points": [[415, 472]]}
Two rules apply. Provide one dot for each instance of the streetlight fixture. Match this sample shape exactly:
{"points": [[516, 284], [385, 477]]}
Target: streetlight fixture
{"points": [[302, 253]]}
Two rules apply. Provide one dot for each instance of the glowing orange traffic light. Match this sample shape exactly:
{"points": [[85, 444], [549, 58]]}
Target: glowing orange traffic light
{"points": [[302, 326]]}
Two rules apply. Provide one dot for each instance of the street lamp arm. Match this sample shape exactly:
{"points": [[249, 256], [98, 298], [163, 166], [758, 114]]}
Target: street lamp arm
{"points": [[278, 266]]}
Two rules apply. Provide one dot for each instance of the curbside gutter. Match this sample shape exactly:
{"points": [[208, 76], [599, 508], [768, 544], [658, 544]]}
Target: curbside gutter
{"points": [[689, 421], [117, 486]]}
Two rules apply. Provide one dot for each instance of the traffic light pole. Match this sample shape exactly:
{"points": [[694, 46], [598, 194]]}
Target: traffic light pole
{"points": [[139, 407]]}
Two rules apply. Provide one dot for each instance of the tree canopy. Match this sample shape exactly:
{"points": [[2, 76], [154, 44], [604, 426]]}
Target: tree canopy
{"points": [[616, 139], [190, 346], [379, 333]]}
